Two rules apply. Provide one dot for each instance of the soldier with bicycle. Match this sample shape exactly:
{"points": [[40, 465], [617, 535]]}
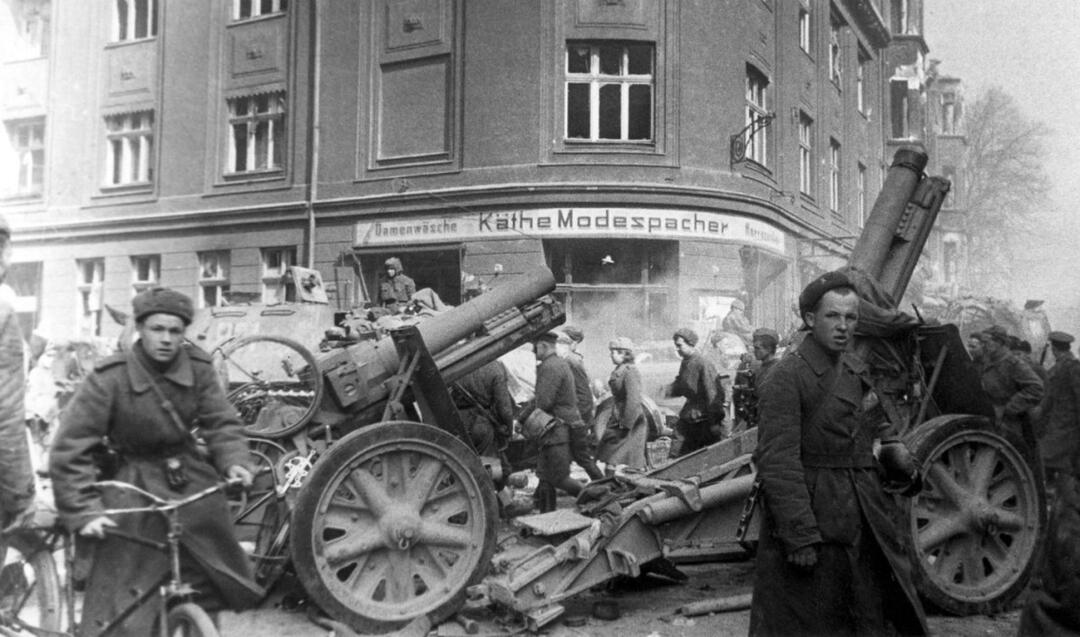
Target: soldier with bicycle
{"points": [[161, 410]]}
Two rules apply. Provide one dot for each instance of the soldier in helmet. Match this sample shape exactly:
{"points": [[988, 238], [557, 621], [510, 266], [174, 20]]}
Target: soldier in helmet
{"points": [[395, 289], [148, 401], [735, 322], [16, 474]]}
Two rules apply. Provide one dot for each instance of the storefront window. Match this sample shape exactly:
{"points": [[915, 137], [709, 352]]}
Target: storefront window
{"points": [[623, 287]]}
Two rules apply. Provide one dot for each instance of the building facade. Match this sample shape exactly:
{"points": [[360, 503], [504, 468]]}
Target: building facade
{"points": [[661, 157]]}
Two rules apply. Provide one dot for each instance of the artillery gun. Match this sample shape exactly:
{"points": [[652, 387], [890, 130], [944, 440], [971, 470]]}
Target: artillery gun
{"points": [[394, 523]]}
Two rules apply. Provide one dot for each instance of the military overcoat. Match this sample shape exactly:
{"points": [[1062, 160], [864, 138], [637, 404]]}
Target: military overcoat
{"points": [[16, 475], [1060, 415], [1013, 386], [624, 439], [821, 487], [117, 400]]}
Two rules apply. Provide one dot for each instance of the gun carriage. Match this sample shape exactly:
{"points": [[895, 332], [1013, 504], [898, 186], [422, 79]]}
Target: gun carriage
{"points": [[395, 517]]}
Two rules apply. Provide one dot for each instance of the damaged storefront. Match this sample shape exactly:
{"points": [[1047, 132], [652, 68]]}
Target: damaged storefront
{"points": [[638, 272]]}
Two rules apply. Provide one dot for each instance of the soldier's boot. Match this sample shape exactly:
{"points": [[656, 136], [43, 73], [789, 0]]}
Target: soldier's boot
{"points": [[545, 497]]}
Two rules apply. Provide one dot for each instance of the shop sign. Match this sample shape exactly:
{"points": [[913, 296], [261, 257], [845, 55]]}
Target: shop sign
{"points": [[578, 223]]}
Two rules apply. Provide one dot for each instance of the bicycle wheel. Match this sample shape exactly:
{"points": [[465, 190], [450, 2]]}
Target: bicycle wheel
{"points": [[190, 620], [30, 593], [272, 381]]}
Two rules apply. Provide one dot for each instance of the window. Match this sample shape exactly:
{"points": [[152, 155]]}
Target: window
{"points": [[903, 19], [861, 203], [28, 150], [609, 92], [145, 272], [949, 113], [834, 176], [952, 198], [756, 108], [135, 20], [213, 278], [899, 92], [804, 29], [90, 278], [836, 35], [860, 81], [950, 255], [275, 265], [633, 277], [25, 281], [245, 9], [32, 29], [129, 149], [806, 165], [257, 133]]}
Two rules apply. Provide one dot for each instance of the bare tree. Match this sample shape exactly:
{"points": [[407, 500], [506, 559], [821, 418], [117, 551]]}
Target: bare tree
{"points": [[1005, 186]]}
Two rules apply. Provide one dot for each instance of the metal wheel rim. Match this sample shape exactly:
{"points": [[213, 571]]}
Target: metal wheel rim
{"points": [[399, 527], [29, 589], [257, 383], [975, 524]]}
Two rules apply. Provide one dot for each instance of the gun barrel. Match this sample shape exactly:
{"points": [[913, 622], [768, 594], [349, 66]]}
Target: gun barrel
{"points": [[455, 324], [874, 243]]}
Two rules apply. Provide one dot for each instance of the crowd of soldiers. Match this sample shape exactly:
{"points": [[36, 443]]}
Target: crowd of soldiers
{"points": [[827, 531]]}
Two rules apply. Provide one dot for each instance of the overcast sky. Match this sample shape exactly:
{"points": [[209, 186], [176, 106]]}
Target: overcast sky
{"points": [[1031, 48]]}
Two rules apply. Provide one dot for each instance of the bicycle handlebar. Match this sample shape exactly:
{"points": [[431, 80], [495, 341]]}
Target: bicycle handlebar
{"points": [[162, 505]]}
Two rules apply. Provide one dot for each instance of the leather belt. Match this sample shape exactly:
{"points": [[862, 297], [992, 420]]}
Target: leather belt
{"points": [[838, 460]]}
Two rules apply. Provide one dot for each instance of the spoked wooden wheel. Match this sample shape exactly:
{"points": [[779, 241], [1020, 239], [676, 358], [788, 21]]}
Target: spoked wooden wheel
{"points": [[395, 521], [977, 524], [272, 381]]}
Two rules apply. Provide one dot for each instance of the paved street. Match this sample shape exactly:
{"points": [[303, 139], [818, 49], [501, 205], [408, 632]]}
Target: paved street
{"points": [[647, 609]]}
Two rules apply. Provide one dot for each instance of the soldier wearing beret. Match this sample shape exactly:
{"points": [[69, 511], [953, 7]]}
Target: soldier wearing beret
{"points": [[150, 403], [701, 418], [16, 475], [555, 394], [829, 558], [1013, 387]]}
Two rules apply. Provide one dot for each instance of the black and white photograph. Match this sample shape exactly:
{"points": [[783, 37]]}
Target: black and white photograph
{"points": [[612, 318]]}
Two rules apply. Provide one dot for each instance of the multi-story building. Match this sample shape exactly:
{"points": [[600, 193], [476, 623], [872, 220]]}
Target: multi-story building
{"points": [[947, 248], [662, 157]]}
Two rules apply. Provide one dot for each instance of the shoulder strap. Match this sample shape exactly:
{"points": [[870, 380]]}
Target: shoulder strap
{"points": [[166, 404], [832, 388]]}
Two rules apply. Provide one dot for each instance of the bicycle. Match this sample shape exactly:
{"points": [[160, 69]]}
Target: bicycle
{"points": [[35, 600]]}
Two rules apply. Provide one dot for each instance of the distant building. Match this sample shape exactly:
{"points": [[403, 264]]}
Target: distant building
{"points": [[660, 156]]}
